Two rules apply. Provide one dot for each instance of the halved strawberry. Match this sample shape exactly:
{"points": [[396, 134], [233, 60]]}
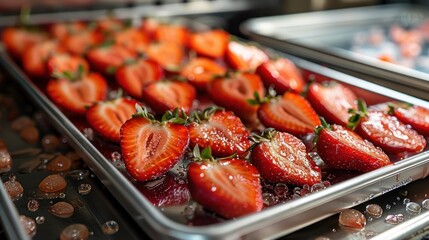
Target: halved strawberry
{"points": [[172, 33], [244, 57], [34, 58], [290, 113], [416, 116], [342, 148], [220, 130], [109, 25], [76, 93], [386, 131], [233, 92], [107, 58], [282, 157], [148, 27], [64, 29], [229, 187], [212, 43], [107, 117], [332, 100], [81, 42], [63, 62], [17, 40], [201, 71], [134, 76], [168, 55], [151, 148], [282, 75], [168, 95], [132, 39]]}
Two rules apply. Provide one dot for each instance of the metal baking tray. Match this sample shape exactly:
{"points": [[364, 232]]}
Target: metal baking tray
{"points": [[275, 221], [326, 37]]}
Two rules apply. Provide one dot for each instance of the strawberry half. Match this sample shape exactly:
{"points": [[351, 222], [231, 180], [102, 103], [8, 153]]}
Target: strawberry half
{"points": [[81, 42], [220, 130], [211, 43], [290, 113], [17, 40], [151, 148], [63, 62], [168, 95], [109, 57], [168, 55], [132, 39], [229, 187], [342, 148], [35, 58], [171, 33], [416, 116], [386, 131], [244, 57], [62, 30], [76, 92], [282, 75], [233, 92], [134, 76], [107, 117], [332, 100], [201, 71], [282, 157]]}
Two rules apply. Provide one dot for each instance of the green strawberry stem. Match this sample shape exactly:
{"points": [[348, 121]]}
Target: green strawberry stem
{"points": [[198, 116], [265, 136], [175, 116], [77, 75], [206, 155], [357, 115], [392, 106], [318, 130], [257, 100]]}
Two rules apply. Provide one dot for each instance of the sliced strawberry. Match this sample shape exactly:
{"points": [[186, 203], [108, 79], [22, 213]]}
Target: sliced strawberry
{"points": [[132, 39], [244, 57], [62, 30], [108, 58], [171, 33], [281, 157], [148, 27], [220, 130], [110, 24], [229, 187], [35, 58], [332, 100], [386, 131], [107, 117], [289, 113], [416, 116], [282, 75], [17, 40], [80, 42], [134, 76], [211, 43], [342, 148], [168, 55], [64, 62], [168, 95], [76, 94], [233, 93], [151, 148], [201, 71]]}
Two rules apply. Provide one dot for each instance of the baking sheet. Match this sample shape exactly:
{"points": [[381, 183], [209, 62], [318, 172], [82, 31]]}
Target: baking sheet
{"points": [[271, 222]]}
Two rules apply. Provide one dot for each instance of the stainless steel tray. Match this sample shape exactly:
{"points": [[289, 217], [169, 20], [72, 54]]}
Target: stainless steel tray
{"points": [[271, 222], [326, 36]]}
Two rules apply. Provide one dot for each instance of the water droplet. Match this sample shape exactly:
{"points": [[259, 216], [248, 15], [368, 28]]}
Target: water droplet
{"points": [[370, 219], [352, 218], [50, 143], [403, 193], [425, 204], [60, 163], [62, 195], [388, 206], [116, 156], [33, 205], [29, 225], [110, 227], [306, 187], [14, 189], [406, 201], [79, 174], [53, 183], [398, 199], [12, 177], [84, 188], [88, 133], [322, 238], [394, 219], [30, 134], [370, 234], [189, 211], [269, 199], [374, 210], [394, 203], [413, 208], [281, 189], [334, 230], [213, 189], [317, 187], [74, 232], [40, 219], [61, 209]]}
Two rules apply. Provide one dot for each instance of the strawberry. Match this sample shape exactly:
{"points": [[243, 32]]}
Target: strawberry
{"points": [[290, 113], [332, 100], [233, 92], [75, 92], [168, 55], [210, 43], [282, 75], [229, 187], [415, 116], [81, 42], [110, 25], [62, 30], [34, 58], [107, 117], [148, 27], [244, 57], [151, 148], [132, 77], [220, 130], [64, 62], [17, 40], [341, 148], [201, 71], [282, 157], [176, 34], [168, 95], [385, 131], [132, 39], [108, 57]]}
